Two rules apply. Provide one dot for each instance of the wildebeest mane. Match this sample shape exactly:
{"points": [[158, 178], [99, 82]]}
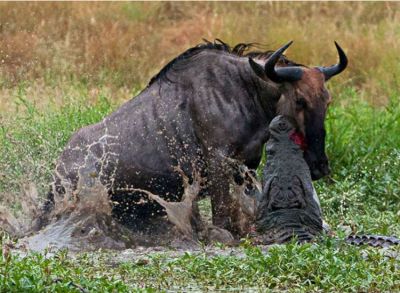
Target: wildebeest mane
{"points": [[240, 50]]}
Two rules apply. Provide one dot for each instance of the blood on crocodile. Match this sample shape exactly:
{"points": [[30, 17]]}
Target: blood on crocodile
{"points": [[299, 139]]}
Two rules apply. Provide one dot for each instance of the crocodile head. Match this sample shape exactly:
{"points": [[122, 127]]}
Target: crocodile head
{"points": [[288, 206]]}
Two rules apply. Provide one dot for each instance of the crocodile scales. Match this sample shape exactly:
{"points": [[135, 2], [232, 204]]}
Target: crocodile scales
{"points": [[288, 205]]}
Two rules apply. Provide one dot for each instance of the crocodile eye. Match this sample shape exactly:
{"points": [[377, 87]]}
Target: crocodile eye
{"points": [[301, 104]]}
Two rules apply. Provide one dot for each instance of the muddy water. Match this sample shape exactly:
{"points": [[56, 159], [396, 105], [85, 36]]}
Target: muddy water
{"points": [[82, 221]]}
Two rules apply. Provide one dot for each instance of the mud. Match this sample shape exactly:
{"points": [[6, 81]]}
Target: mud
{"points": [[142, 255]]}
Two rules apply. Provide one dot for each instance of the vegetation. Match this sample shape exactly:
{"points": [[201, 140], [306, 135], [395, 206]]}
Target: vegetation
{"points": [[124, 44], [65, 65], [327, 266]]}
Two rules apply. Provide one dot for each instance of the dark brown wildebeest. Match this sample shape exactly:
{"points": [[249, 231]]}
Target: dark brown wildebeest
{"points": [[208, 101]]}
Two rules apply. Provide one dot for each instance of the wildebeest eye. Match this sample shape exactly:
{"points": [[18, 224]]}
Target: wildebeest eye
{"points": [[301, 104]]}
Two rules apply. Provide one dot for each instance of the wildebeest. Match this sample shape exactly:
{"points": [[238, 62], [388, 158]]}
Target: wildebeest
{"points": [[208, 101]]}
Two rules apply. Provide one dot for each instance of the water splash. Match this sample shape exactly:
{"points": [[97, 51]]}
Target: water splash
{"points": [[82, 219], [19, 223]]}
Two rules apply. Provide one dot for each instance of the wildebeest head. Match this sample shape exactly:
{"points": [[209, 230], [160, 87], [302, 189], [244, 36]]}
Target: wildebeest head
{"points": [[304, 97]]}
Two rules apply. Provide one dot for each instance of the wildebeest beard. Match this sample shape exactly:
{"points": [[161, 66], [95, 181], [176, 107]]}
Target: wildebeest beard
{"points": [[288, 206]]}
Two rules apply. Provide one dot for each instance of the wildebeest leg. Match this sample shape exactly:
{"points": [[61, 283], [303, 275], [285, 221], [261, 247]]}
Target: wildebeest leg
{"points": [[197, 221], [221, 201], [244, 191], [243, 210]]}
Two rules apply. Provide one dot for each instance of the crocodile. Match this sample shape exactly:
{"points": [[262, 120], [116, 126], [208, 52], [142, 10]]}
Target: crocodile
{"points": [[288, 205]]}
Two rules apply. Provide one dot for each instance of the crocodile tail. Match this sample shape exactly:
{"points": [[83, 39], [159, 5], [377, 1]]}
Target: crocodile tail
{"points": [[373, 240]]}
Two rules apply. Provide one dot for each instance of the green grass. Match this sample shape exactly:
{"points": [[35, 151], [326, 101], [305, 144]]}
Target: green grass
{"points": [[32, 139], [329, 265], [363, 144]]}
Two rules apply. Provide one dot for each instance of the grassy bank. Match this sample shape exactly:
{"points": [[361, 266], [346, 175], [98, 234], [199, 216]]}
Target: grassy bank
{"points": [[329, 266]]}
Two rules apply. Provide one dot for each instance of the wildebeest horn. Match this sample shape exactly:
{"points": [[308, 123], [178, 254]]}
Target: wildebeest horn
{"points": [[281, 74], [337, 68]]}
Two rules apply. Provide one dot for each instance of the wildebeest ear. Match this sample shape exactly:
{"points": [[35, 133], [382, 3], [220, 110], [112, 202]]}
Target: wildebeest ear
{"points": [[258, 69]]}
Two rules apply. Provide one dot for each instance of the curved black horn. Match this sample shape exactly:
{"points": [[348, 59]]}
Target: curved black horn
{"points": [[281, 74], [337, 68]]}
